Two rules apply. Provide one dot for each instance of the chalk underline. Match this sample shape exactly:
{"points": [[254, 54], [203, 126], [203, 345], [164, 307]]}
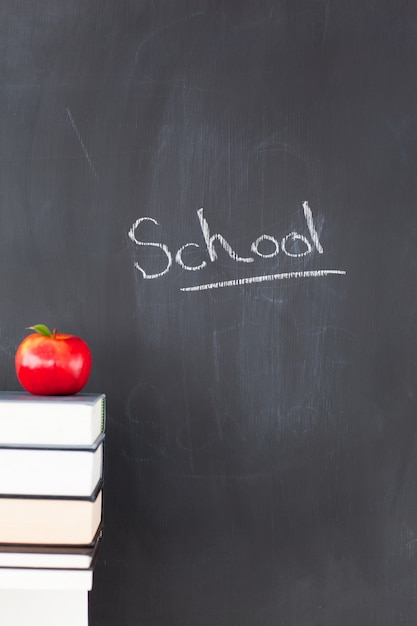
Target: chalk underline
{"points": [[263, 279]]}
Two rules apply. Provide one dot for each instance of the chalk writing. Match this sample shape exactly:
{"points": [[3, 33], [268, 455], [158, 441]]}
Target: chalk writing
{"points": [[162, 246], [263, 279], [292, 245]]}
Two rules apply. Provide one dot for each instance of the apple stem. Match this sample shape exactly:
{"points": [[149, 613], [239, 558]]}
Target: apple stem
{"points": [[54, 332]]}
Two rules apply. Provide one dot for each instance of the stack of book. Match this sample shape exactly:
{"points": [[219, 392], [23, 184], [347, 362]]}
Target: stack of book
{"points": [[51, 490]]}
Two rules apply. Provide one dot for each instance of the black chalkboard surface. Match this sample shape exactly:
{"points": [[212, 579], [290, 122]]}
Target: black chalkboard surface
{"points": [[220, 198]]}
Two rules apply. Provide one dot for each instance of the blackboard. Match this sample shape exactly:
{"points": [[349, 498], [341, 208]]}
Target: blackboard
{"points": [[220, 198]]}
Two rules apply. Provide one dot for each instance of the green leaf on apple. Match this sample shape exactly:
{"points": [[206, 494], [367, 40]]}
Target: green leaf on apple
{"points": [[41, 329]]}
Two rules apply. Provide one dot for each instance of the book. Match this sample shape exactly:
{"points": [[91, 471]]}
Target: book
{"points": [[44, 597], [53, 471], [50, 556], [50, 520], [51, 420], [44, 607], [33, 578]]}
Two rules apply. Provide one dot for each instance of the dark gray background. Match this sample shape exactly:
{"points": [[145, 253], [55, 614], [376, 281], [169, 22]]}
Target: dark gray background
{"points": [[261, 439]]}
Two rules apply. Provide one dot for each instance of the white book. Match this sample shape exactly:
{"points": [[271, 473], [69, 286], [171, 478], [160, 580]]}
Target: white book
{"points": [[32, 578], [51, 471], [51, 420], [44, 597], [43, 607]]}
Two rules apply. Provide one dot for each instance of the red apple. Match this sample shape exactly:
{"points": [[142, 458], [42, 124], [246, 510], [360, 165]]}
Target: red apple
{"points": [[52, 364]]}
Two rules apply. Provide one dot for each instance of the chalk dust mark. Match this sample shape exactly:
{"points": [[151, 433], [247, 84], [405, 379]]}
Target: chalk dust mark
{"points": [[86, 153], [164, 28]]}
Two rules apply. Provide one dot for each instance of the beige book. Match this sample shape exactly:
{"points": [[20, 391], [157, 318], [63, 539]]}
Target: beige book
{"points": [[18, 555], [49, 520]]}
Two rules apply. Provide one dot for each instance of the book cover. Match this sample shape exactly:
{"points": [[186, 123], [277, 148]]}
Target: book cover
{"points": [[53, 471], [33, 578], [50, 520], [50, 556], [44, 607], [51, 420]]}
